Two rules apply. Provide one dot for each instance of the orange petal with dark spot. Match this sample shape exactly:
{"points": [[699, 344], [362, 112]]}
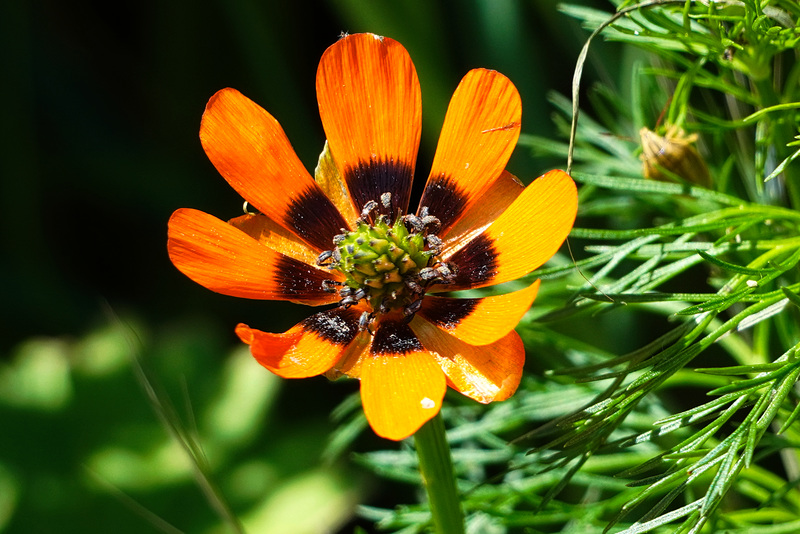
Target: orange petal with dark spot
{"points": [[250, 150], [273, 235], [522, 238], [225, 259], [479, 321], [402, 386], [371, 108], [480, 132], [310, 348], [479, 215]]}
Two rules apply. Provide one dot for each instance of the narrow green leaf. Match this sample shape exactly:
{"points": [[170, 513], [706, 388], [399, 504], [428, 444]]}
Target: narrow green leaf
{"points": [[636, 185], [731, 266], [556, 489], [724, 476], [791, 419], [792, 296], [666, 230], [698, 453], [781, 166], [638, 528], [777, 396], [742, 385], [741, 369], [718, 304], [655, 296]]}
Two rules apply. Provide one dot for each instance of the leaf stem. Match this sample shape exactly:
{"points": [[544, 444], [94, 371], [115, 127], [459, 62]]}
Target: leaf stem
{"points": [[436, 468]]}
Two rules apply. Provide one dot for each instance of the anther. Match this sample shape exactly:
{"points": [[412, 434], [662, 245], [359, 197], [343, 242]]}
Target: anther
{"points": [[430, 220], [330, 286], [361, 293], [428, 273], [447, 272], [444, 271], [413, 286], [345, 291], [415, 222], [364, 321], [368, 208], [348, 301], [388, 260], [434, 244], [410, 309]]}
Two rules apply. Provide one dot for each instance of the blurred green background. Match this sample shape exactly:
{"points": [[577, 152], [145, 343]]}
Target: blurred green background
{"points": [[102, 105]]}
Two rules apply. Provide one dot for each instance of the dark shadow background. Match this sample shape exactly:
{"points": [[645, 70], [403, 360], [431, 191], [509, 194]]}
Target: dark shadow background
{"points": [[101, 106]]}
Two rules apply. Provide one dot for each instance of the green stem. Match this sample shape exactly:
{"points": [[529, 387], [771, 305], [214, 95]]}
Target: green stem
{"points": [[436, 468]]}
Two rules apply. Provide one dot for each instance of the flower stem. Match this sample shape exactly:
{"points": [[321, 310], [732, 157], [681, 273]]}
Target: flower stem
{"points": [[436, 468]]}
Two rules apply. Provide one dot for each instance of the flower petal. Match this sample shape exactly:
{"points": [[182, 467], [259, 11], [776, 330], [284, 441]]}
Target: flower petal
{"points": [[525, 236], [487, 373], [370, 104], [480, 131], [309, 348], [224, 259], [330, 180], [479, 321], [478, 215], [402, 386], [250, 150], [271, 234]]}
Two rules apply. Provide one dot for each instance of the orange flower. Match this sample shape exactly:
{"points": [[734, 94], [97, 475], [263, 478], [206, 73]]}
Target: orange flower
{"points": [[345, 236]]}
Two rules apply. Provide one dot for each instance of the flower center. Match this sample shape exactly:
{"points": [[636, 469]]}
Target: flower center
{"points": [[388, 264]]}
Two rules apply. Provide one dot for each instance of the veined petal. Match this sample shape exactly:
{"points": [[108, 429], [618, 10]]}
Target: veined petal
{"points": [[370, 104], [525, 236], [480, 131], [273, 235], [478, 215], [309, 348], [224, 259], [250, 150], [479, 321], [402, 386], [330, 180], [487, 373]]}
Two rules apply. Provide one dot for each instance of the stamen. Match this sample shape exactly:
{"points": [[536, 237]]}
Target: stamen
{"points": [[331, 285], [411, 309], [364, 322], [325, 258], [414, 221], [434, 244], [430, 220], [366, 210]]}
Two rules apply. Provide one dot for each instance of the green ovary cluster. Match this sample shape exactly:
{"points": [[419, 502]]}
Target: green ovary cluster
{"points": [[380, 259]]}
